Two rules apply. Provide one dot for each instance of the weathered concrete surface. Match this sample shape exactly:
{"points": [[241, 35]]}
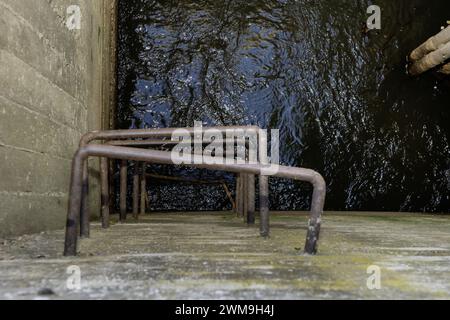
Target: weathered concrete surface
{"points": [[217, 257], [54, 83]]}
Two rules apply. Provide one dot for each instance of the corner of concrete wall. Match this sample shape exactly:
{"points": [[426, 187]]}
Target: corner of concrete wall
{"points": [[55, 85]]}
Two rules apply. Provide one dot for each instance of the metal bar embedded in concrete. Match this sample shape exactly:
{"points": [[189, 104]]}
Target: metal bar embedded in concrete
{"points": [[144, 195], [158, 135], [123, 189], [264, 188], [104, 168], [85, 219], [136, 182], [251, 199], [161, 157]]}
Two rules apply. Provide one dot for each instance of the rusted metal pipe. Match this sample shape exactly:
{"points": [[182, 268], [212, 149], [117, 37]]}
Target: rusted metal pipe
{"points": [[264, 225], [161, 157], [245, 198], [244, 194], [85, 219], [157, 134], [144, 195], [156, 143], [104, 168], [167, 143], [251, 199], [250, 189], [241, 193], [230, 196], [154, 133], [238, 194], [136, 182], [264, 188], [123, 190]]}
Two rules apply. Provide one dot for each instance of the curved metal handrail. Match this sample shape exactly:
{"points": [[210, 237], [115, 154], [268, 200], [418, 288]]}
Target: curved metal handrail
{"points": [[161, 157], [158, 133]]}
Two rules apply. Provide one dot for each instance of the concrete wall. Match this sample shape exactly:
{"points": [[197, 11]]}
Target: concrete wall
{"points": [[55, 84]]}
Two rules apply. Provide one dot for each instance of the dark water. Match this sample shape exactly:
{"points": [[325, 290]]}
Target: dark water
{"points": [[339, 95]]}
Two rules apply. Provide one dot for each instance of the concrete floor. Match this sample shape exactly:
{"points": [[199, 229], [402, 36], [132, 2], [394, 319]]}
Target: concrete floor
{"points": [[168, 256]]}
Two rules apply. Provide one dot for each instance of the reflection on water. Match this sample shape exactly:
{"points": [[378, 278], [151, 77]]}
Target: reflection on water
{"points": [[338, 94]]}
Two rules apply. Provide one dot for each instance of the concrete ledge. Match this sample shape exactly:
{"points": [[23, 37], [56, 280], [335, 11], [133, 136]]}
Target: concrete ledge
{"points": [[27, 213], [202, 256]]}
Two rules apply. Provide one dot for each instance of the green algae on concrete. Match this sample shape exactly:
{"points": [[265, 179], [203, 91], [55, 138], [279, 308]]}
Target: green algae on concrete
{"points": [[216, 256]]}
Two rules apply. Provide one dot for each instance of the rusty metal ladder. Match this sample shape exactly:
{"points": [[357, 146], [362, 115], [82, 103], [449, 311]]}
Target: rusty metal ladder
{"points": [[78, 213], [244, 205]]}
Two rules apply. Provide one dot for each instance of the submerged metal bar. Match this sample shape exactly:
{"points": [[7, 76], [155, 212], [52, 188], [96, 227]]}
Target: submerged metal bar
{"points": [[222, 183], [230, 196], [161, 157]]}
